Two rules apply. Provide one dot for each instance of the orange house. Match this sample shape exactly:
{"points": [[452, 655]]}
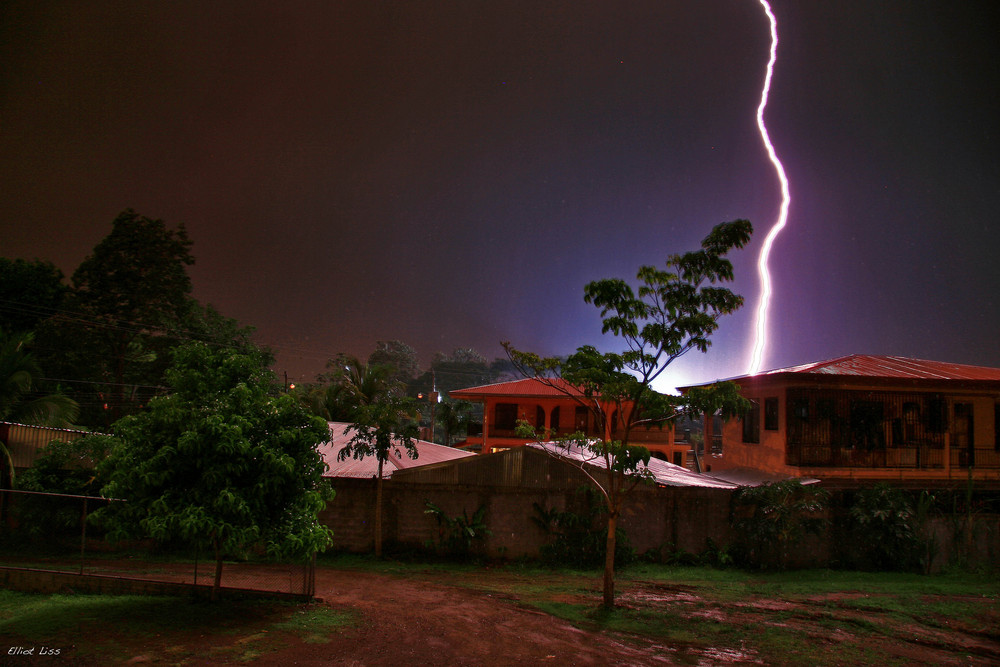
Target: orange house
{"points": [[866, 417], [556, 410]]}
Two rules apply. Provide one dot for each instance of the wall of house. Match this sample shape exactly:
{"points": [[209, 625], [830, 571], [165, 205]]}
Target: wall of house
{"points": [[768, 454]]}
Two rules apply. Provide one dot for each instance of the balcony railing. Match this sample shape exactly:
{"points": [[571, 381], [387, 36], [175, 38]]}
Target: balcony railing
{"points": [[921, 456]]}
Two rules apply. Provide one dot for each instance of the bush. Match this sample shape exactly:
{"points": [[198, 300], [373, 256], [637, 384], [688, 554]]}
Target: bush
{"points": [[884, 530], [772, 517], [580, 539]]}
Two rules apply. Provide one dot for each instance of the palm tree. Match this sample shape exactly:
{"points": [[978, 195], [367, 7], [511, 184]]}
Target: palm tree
{"points": [[19, 377], [383, 420]]}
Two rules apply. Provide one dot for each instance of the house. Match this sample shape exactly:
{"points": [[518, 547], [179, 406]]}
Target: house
{"points": [[867, 418], [556, 408], [367, 468]]}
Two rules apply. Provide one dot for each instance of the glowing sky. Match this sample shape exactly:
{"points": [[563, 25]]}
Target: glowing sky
{"points": [[452, 173]]}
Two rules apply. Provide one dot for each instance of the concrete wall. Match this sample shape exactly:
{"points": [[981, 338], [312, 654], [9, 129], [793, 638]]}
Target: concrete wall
{"points": [[681, 518], [661, 519]]}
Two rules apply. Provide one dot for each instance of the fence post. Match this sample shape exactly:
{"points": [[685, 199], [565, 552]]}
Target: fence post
{"points": [[83, 535]]}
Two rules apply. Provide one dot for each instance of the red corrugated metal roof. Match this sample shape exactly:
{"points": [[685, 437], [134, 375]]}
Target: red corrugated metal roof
{"points": [[533, 387], [427, 453], [867, 365], [663, 472]]}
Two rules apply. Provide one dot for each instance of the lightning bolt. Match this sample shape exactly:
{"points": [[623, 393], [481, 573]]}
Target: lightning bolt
{"points": [[760, 342]]}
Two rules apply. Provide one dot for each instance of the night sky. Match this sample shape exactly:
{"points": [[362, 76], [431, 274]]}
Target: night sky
{"points": [[451, 174]]}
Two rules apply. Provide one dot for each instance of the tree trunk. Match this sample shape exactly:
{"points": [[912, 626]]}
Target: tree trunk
{"points": [[378, 512], [218, 572], [609, 560]]}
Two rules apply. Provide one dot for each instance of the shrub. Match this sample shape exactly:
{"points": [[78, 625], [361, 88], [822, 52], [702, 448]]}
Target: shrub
{"points": [[772, 517]]}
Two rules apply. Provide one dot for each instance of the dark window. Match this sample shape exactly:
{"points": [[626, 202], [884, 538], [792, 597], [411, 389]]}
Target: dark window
{"points": [[506, 416], [937, 415], [771, 414], [539, 417], [963, 437], [996, 427], [554, 420], [751, 423], [867, 430], [800, 409], [580, 420]]}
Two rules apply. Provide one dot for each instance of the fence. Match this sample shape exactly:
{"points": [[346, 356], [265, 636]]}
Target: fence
{"points": [[54, 533]]}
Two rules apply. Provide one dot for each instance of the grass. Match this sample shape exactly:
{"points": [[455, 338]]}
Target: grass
{"points": [[249, 628], [820, 617], [780, 617]]}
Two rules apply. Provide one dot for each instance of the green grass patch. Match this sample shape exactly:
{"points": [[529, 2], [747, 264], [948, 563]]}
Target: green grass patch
{"points": [[115, 628]]}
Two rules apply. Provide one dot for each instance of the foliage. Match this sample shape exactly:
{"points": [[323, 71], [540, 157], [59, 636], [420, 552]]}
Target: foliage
{"points": [[399, 357], [673, 311], [383, 422], [61, 468], [220, 463], [580, 538], [30, 292], [453, 417], [68, 467], [457, 534], [772, 517], [884, 529], [129, 305], [20, 376]]}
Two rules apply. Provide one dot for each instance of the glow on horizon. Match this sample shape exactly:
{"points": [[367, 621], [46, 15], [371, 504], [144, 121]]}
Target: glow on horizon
{"points": [[760, 341]]}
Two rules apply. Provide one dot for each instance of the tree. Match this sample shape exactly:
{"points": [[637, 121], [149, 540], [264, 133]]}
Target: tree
{"points": [[453, 416], [674, 311], [128, 294], [399, 357], [383, 421], [382, 427], [220, 463], [30, 292], [20, 375]]}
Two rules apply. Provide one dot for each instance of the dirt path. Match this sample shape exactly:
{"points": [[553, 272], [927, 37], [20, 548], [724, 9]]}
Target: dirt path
{"points": [[416, 623]]}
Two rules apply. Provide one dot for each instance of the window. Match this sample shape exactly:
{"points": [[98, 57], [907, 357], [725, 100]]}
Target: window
{"points": [[937, 414], [506, 416], [771, 414], [751, 423], [996, 427], [580, 419], [867, 429], [539, 417]]}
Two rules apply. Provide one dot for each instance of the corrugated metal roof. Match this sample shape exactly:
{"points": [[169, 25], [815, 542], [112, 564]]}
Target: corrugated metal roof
{"points": [[867, 365], [340, 436], [663, 472], [528, 387]]}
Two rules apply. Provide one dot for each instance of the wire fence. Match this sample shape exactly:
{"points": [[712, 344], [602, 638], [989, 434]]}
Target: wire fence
{"points": [[56, 533]]}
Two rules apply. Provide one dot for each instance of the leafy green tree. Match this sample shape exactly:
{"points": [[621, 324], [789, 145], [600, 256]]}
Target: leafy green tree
{"points": [[675, 310], [30, 292], [399, 357], [453, 417], [130, 292], [221, 462]]}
